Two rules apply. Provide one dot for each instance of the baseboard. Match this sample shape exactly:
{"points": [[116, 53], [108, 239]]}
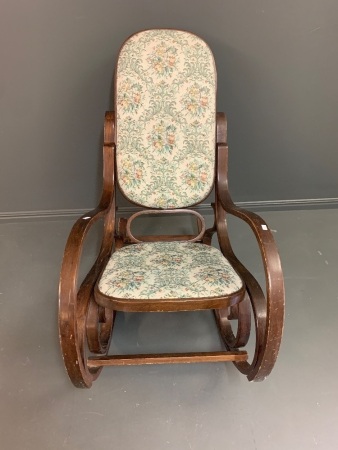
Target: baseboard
{"points": [[266, 205], [53, 214], [284, 205]]}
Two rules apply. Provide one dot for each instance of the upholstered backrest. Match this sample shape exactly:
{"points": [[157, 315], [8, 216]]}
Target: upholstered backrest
{"points": [[165, 118]]}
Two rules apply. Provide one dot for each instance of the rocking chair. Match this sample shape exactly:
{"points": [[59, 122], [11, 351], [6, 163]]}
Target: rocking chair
{"points": [[166, 146]]}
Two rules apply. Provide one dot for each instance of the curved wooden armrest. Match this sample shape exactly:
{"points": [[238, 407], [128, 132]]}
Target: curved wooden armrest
{"points": [[69, 292], [77, 311], [75, 242], [269, 313], [106, 209], [263, 236], [260, 228]]}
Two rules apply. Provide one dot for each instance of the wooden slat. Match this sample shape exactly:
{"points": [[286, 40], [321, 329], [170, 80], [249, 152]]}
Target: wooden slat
{"points": [[166, 237], [165, 358]]}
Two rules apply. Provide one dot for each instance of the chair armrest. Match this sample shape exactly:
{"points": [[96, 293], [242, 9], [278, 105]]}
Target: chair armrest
{"points": [[261, 231], [105, 209], [77, 237], [68, 287], [259, 227], [74, 301], [269, 313]]}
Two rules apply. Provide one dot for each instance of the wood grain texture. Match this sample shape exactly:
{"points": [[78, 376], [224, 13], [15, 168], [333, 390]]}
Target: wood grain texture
{"points": [[74, 302], [196, 238], [168, 304], [268, 312], [166, 358]]}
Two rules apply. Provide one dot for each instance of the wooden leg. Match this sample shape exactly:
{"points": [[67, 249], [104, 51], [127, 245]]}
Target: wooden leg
{"points": [[99, 327], [260, 367], [241, 312], [79, 319]]}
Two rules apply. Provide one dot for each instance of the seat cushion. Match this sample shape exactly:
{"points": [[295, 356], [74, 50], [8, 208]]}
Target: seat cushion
{"points": [[163, 270]]}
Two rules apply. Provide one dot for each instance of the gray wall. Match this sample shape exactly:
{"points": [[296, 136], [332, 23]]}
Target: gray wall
{"points": [[277, 70]]}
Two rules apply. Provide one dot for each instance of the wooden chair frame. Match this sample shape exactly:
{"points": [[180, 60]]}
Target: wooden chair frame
{"points": [[85, 324]]}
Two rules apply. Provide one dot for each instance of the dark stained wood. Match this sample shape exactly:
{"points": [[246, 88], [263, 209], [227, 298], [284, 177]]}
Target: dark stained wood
{"points": [[99, 327], [268, 312], [200, 221], [168, 304], [86, 316], [166, 358], [221, 128], [242, 313], [164, 238], [73, 301]]}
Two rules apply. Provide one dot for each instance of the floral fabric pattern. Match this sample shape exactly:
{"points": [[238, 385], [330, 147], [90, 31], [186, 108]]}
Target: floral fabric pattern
{"points": [[165, 119], [161, 270]]}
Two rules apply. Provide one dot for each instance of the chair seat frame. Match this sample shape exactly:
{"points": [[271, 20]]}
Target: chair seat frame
{"points": [[86, 317]]}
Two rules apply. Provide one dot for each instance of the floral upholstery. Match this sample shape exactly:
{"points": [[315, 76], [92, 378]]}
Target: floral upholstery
{"points": [[161, 270], [165, 119]]}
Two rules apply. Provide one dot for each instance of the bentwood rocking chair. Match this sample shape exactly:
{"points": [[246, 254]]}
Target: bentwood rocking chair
{"points": [[166, 147]]}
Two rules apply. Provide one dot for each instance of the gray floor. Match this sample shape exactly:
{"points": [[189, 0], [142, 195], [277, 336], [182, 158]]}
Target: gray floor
{"points": [[202, 406]]}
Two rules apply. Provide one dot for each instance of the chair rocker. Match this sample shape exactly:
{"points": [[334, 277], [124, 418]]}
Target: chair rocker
{"points": [[166, 146]]}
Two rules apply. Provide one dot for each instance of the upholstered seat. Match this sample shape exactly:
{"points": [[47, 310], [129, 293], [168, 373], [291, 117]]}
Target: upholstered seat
{"points": [[159, 270]]}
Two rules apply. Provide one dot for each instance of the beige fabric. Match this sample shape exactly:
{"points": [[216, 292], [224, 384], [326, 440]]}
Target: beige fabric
{"points": [[161, 270], [165, 104]]}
